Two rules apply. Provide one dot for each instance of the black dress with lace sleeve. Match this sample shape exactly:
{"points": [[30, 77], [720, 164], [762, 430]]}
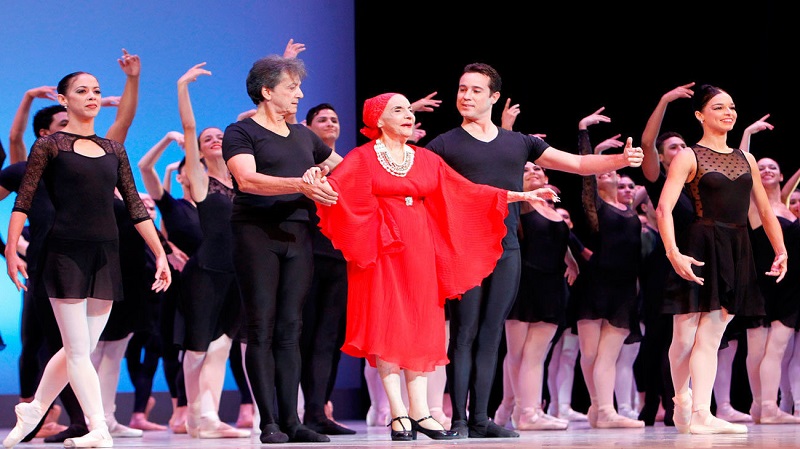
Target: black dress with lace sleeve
{"points": [[81, 187]]}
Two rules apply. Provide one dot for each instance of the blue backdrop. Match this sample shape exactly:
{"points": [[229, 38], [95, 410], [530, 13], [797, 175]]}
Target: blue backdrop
{"points": [[44, 40]]}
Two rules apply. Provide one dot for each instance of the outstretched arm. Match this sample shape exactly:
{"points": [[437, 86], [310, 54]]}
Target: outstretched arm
{"points": [[198, 179], [147, 164], [651, 166], [426, 103], [126, 110], [16, 145], [589, 164], [759, 125]]}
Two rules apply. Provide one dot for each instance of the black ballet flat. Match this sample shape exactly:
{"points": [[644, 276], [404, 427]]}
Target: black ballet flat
{"points": [[405, 434], [433, 434]]}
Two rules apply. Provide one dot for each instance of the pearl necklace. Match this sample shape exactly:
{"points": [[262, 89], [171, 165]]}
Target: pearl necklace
{"points": [[389, 164]]}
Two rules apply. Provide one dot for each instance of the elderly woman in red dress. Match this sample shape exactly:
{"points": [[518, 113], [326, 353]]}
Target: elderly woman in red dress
{"points": [[414, 233]]}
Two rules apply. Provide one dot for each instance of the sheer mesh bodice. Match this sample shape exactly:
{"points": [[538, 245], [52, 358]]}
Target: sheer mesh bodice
{"points": [[721, 187]]}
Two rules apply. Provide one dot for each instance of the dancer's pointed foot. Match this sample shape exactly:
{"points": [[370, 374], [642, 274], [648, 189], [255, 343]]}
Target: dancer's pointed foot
{"points": [[503, 414], [726, 412], [682, 412], [704, 423], [96, 438], [139, 421], [28, 417], [608, 418]]}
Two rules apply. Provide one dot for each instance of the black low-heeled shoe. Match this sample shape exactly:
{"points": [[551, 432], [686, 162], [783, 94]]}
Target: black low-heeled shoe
{"points": [[405, 434], [434, 434]]}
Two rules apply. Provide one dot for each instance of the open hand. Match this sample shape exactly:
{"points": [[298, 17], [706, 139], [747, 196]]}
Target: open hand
{"points": [[683, 266]]}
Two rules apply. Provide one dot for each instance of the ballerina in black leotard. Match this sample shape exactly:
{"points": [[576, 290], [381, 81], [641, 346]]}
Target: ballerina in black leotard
{"points": [[718, 256]]}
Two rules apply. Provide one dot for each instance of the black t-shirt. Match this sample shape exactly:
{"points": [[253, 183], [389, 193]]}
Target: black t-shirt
{"points": [[181, 221], [499, 163], [682, 214], [275, 155]]}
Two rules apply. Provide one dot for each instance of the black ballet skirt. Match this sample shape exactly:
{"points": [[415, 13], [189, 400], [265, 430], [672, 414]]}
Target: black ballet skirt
{"points": [[782, 299], [542, 294]]}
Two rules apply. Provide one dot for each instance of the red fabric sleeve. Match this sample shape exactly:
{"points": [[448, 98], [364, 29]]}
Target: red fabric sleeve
{"points": [[469, 218], [355, 225]]}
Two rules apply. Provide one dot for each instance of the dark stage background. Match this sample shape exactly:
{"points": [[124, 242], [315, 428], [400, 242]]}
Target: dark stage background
{"points": [[563, 60]]}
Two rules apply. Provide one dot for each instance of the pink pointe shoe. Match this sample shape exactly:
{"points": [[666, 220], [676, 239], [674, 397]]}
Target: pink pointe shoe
{"points": [[536, 419], [682, 415], [503, 414]]}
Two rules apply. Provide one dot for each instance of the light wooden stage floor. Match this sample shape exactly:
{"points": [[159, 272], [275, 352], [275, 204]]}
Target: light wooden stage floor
{"points": [[579, 435]]}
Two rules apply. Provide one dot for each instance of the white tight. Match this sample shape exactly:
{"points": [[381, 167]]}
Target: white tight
{"points": [[790, 374], [107, 359], [80, 321], [722, 381], [600, 346], [561, 370], [693, 354], [765, 350], [625, 383], [204, 377], [523, 366]]}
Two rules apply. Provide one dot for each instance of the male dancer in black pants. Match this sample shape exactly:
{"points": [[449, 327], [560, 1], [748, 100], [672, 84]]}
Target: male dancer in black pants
{"points": [[487, 154]]}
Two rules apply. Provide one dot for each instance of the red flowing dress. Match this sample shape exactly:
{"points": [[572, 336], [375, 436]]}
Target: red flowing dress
{"points": [[410, 243]]}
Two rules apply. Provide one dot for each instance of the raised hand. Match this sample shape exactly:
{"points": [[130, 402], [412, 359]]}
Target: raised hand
{"points": [[191, 75], [246, 114], [684, 91], [635, 155], [426, 103], [611, 142], [509, 116], [43, 92], [760, 125], [111, 100], [130, 64], [176, 137], [594, 118], [418, 133], [293, 49]]}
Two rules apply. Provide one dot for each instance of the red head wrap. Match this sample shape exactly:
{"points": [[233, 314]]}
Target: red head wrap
{"points": [[373, 108]]}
